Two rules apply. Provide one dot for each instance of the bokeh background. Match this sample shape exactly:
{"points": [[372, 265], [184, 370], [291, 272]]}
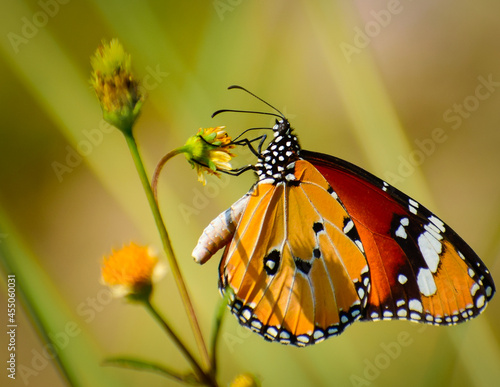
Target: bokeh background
{"points": [[393, 86]]}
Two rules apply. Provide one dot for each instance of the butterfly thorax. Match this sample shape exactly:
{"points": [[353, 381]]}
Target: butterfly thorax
{"points": [[277, 163]]}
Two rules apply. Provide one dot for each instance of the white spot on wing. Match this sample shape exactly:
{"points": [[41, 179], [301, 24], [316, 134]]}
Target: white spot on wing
{"points": [[246, 314], [348, 227], [400, 232], [437, 222], [480, 301], [318, 334], [415, 305], [402, 279], [284, 335], [302, 340], [434, 231], [473, 290], [415, 316], [430, 248], [426, 283]]}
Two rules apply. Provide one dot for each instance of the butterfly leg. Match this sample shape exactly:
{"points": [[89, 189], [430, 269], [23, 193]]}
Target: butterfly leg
{"points": [[238, 171], [248, 143]]}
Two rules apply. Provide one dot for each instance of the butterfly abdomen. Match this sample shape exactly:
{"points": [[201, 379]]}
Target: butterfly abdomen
{"points": [[219, 232]]}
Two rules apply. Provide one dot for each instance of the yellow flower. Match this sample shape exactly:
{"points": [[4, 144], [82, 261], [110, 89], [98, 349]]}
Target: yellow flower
{"points": [[131, 271], [209, 151], [245, 380], [115, 86]]}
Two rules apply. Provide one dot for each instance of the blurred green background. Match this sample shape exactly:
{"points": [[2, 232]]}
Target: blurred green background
{"points": [[393, 86]]}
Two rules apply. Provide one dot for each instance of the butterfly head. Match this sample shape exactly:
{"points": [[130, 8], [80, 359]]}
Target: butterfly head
{"points": [[282, 127], [276, 164]]}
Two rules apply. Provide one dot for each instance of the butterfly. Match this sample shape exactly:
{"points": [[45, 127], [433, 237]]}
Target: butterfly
{"points": [[318, 243]]}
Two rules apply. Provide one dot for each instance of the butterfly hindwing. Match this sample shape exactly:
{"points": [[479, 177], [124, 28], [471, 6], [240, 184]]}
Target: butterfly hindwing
{"points": [[295, 263], [420, 268]]}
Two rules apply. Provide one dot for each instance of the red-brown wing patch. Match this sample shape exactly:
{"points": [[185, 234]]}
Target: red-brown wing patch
{"points": [[420, 268]]}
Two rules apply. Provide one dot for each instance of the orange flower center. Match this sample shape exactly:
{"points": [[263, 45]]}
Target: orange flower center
{"points": [[130, 266]]}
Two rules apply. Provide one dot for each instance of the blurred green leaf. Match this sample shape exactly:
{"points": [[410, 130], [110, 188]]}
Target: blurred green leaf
{"points": [[75, 354]]}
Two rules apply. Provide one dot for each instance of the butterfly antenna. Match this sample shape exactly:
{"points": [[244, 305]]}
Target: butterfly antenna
{"points": [[260, 99], [245, 111]]}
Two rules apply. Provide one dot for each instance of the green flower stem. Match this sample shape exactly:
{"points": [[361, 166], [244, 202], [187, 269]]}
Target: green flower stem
{"points": [[159, 167], [219, 315], [178, 342], [133, 363], [168, 247]]}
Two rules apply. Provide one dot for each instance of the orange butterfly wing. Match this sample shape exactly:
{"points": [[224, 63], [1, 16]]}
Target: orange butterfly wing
{"points": [[295, 263], [420, 269]]}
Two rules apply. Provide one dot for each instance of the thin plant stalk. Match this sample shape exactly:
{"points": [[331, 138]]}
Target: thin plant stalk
{"points": [[219, 315], [206, 378], [181, 285], [159, 167]]}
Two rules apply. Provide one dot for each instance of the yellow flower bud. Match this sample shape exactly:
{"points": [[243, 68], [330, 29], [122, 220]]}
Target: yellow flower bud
{"points": [[245, 380], [209, 151], [115, 85]]}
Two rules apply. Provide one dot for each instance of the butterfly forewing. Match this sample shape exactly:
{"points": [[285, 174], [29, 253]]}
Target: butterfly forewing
{"points": [[297, 275], [420, 268]]}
